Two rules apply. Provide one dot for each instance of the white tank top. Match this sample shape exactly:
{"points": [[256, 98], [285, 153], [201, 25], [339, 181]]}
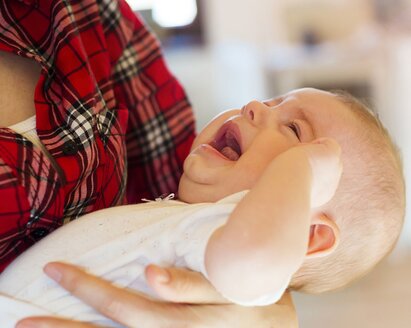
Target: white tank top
{"points": [[27, 128]]}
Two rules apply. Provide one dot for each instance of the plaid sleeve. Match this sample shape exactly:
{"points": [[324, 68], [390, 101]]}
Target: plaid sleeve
{"points": [[161, 122], [31, 197]]}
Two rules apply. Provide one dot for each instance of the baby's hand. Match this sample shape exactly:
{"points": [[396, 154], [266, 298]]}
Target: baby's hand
{"points": [[325, 158]]}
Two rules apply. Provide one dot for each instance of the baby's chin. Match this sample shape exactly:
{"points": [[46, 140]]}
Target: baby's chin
{"points": [[204, 196], [186, 192], [192, 192]]}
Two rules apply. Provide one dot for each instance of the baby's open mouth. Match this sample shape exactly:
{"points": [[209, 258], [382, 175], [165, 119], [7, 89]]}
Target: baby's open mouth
{"points": [[227, 142]]}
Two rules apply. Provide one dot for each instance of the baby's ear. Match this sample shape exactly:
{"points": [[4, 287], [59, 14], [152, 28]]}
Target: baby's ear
{"points": [[324, 236]]}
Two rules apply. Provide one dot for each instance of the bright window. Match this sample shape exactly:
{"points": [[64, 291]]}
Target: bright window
{"points": [[168, 13], [141, 4]]}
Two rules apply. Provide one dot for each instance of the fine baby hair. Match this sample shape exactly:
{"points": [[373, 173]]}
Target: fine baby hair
{"points": [[368, 205]]}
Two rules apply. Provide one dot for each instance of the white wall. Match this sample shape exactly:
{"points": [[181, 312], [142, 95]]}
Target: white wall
{"points": [[397, 115], [254, 22], [263, 22], [230, 71]]}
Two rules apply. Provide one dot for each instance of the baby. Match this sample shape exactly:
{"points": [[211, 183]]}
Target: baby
{"points": [[263, 204]]}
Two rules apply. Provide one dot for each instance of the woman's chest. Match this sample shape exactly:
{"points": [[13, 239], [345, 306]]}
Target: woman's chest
{"points": [[18, 79], [82, 136]]}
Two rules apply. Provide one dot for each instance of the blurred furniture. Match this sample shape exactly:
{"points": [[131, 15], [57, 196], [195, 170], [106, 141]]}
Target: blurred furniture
{"points": [[354, 66]]}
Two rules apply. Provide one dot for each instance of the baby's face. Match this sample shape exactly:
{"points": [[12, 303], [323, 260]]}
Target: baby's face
{"points": [[233, 150]]}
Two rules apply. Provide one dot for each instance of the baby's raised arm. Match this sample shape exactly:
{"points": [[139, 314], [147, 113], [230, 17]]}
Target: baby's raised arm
{"points": [[264, 241]]}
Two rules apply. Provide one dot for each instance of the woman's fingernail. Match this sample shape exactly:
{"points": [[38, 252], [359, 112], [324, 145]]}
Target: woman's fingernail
{"points": [[162, 275], [26, 324], [53, 273]]}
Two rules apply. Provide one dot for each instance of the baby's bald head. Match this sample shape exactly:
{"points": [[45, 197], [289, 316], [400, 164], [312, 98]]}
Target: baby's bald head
{"points": [[368, 206]]}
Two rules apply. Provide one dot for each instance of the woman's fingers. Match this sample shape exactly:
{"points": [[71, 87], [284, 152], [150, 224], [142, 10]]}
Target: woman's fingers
{"points": [[43, 322], [116, 303], [119, 304], [182, 286], [134, 310]]}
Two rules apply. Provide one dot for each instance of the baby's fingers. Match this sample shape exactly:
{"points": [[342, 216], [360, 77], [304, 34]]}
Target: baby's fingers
{"points": [[326, 164], [330, 143], [328, 147]]}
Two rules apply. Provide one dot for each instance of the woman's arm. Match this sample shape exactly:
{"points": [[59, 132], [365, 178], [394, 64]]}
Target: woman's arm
{"points": [[134, 310], [156, 101]]}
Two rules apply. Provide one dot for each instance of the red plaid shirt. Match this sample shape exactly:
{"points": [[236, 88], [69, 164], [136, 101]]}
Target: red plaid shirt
{"points": [[108, 111]]}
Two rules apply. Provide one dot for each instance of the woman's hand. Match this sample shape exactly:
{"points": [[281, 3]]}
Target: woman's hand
{"points": [[199, 305]]}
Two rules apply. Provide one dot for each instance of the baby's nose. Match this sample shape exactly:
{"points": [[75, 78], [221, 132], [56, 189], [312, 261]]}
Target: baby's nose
{"points": [[254, 111]]}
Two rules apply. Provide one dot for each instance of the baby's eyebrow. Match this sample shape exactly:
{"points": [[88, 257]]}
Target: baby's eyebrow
{"points": [[275, 100]]}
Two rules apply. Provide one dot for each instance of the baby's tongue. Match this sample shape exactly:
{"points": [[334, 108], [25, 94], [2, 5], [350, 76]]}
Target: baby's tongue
{"points": [[230, 153]]}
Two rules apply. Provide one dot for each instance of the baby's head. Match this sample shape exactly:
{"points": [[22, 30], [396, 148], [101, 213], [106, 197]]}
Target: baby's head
{"points": [[368, 207], [366, 213]]}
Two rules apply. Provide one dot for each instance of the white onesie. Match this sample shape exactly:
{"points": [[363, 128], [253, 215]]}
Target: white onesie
{"points": [[116, 244]]}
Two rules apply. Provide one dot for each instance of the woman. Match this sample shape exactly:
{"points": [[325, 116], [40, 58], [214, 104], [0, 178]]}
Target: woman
{"points": [[109, 120]]}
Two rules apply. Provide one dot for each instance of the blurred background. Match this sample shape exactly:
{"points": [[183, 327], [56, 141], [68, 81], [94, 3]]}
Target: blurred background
{"points": [[229, 52]]}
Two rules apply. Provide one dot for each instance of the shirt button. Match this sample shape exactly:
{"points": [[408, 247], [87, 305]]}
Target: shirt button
{"points": [[39, 233], [70, 148]]}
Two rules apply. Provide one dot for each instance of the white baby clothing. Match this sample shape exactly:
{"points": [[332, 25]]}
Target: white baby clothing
{"points": [[116, 244]]}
